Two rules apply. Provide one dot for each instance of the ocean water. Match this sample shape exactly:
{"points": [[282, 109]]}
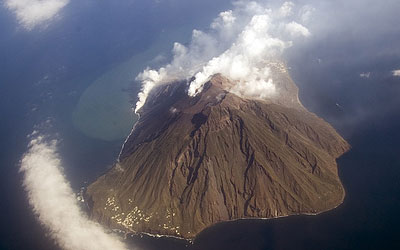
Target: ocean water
{"points": [[67, 79], [53, 79]]}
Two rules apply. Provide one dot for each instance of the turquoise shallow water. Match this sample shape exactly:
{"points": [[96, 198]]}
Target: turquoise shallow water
{"points": [[105, 109]]}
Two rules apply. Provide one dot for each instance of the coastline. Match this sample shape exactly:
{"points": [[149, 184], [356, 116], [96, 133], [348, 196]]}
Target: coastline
{"points": [[127, 138], [192, 240]]}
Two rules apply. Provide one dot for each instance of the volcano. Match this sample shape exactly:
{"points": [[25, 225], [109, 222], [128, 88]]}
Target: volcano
{"points": [[191, 162]]}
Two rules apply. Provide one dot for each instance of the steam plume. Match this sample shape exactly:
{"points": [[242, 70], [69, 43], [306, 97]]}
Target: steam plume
{"points": [[239, 44]]}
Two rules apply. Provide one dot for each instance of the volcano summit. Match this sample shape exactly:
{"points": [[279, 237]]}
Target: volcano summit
{"points": [[191, 162]]}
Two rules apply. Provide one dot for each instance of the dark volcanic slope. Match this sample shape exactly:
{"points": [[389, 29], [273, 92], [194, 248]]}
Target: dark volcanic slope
{"points": [[192, 162]]}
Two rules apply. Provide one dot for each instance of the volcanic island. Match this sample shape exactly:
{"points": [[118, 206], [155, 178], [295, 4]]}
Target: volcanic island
{"points": [[191, 162]]}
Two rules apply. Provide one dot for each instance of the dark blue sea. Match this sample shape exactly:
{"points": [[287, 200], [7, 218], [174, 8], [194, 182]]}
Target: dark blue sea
{"points": [[49, 78]]}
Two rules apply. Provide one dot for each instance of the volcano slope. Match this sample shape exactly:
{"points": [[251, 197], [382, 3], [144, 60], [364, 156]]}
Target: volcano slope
{"points": [[191, 162]]}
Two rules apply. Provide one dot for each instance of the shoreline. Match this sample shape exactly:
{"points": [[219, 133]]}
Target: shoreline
{"points": [[192, 240], [127, 138]]}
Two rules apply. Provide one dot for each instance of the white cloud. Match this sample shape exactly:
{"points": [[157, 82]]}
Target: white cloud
{"points": [[225, 19], [306, 13], [396, 72], [296, 29], [286, 9], [31, 13], [365, 75], [56, 205], [239, 44]]}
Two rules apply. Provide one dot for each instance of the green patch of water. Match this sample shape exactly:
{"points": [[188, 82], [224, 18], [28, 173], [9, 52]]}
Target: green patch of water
{"points": [[104, 110]]}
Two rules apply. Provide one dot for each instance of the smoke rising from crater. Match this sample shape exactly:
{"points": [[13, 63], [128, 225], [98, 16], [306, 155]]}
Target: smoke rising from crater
{"points": [[238, 44], [55, 204]]}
